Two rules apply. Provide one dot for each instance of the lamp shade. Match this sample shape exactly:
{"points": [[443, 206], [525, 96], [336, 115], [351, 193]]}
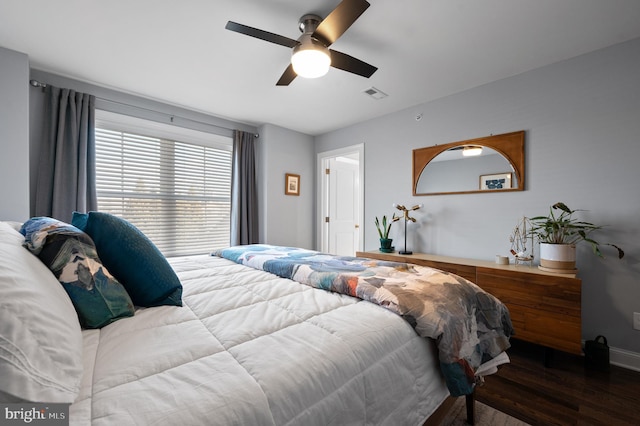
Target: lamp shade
{"points": [[310, 59], [469, 151]]}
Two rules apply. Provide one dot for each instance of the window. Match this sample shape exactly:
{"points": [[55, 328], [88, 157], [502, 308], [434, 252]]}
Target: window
{"points": [[173, 184]]}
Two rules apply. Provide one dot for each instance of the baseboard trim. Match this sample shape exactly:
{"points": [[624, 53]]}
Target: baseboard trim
{"points": [[624, 358]]}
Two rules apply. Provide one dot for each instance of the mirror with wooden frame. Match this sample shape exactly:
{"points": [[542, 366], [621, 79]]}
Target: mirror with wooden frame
{"points": [[489, 164]]}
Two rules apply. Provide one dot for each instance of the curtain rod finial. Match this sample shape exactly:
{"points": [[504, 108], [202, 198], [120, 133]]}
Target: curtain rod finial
{"points": [[36, 83]]}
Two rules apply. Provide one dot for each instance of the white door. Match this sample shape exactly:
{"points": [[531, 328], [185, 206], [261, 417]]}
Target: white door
{"points": [[343, 198]]}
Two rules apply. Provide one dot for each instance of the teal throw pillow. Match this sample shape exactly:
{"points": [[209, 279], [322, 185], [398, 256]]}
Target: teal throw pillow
{"points": [[132, 258], [70, 254]]}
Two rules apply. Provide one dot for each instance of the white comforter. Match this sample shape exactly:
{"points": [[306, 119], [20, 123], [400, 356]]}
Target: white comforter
{"points": [[249, 348]]}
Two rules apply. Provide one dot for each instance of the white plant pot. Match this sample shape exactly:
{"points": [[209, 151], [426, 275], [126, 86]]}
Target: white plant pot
{"points": [[560, 257]]}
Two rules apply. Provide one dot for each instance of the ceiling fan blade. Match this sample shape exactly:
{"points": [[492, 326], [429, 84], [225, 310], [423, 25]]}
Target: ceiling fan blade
{"points": [[261, 34], [287, 76], [339, 20], [350, 64]]}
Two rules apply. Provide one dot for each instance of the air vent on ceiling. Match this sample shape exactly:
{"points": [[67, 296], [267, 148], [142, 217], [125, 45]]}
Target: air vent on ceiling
{"points": [[375, 93]]}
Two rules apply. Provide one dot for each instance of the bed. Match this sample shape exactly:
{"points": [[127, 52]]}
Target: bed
{"points": [[243, 347]]}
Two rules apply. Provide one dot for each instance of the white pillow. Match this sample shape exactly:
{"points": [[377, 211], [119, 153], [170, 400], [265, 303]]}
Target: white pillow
{"points": [[40, 335], [14, 225]]}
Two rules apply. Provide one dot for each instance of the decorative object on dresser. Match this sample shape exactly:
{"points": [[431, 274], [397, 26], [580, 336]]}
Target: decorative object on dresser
{"points": [[406, 219], [383, 232], [522, 242], [558, 235], [545, 307]]}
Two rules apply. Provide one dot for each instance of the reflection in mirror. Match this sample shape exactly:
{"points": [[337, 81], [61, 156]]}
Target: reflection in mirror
{"points": [[488, 164], [452, 171]]}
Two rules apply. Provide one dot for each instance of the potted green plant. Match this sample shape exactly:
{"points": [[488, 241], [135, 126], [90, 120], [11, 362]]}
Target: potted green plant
{"points": [[558, 234], [383, 230]]}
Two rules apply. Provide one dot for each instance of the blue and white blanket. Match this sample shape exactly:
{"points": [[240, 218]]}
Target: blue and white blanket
{"points": [[469, 325]]}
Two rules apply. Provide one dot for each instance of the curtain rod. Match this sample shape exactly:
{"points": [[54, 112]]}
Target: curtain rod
{"points": [[36, 83]]}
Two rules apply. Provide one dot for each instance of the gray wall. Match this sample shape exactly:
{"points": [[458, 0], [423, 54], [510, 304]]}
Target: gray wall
{"points": [[14, 135], [286, 219], [582, 122]]}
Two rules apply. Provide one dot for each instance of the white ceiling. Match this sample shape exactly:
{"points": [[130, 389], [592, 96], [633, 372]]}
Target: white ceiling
{"points": [[180, 53]]}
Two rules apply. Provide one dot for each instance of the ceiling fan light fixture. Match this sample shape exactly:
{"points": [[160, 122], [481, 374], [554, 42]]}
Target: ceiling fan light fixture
{"points": [[471, 150], [310, 59]]}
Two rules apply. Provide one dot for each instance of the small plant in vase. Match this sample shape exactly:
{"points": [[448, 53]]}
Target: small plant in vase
{"points": [[383, 230], [558, 234]]}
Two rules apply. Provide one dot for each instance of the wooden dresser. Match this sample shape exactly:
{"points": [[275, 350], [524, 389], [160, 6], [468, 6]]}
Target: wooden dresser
{"points": [[545, 308]]}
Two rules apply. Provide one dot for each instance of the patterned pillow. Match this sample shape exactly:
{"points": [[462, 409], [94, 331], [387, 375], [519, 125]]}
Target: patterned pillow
{"points": [[133, 259], [70, 254]]}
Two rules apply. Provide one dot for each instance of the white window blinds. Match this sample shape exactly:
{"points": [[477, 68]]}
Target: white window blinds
{"points": [[177, 193]]}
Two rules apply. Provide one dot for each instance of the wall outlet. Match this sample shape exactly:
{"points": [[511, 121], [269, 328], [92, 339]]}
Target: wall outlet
{"points": [[636, 320]]}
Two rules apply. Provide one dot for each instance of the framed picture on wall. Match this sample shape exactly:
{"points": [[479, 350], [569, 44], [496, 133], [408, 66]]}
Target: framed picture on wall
{"points": [[495, 181], [291, 184]]}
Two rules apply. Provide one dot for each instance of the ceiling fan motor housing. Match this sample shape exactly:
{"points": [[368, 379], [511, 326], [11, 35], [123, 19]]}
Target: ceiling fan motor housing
{"points": [[308, 23]]}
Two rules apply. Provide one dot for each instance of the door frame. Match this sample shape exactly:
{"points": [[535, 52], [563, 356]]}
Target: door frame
{"points": [[323, 158]]}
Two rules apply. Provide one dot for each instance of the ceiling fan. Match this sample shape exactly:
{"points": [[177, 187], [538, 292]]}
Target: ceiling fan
{"points": [[311, 56]]}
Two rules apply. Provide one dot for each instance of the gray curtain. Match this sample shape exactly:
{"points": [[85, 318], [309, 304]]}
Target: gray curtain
{"points": [[66, 176], [244, 195]]}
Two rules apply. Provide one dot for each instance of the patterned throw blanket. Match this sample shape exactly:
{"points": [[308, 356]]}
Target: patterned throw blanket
{"points": [[469, 325]]}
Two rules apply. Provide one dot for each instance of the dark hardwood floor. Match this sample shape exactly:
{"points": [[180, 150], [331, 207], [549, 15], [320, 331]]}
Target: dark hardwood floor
{"points": [[566, 393]]}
